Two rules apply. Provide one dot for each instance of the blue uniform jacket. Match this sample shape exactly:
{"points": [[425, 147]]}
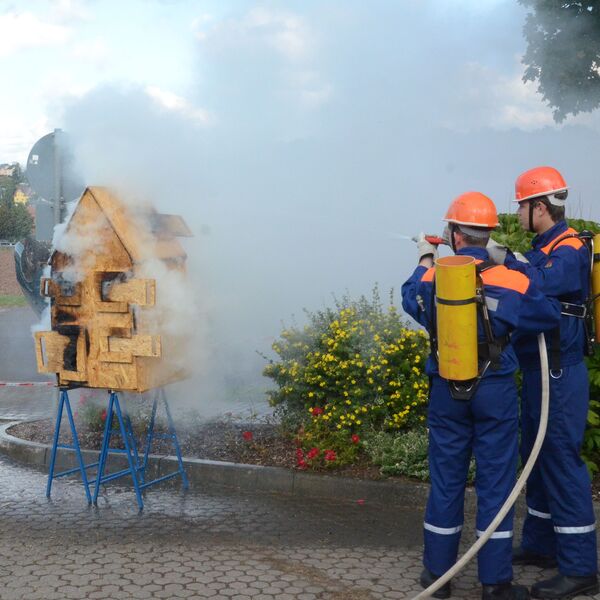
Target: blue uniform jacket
{"points": [[563, 274], [513, 302]]}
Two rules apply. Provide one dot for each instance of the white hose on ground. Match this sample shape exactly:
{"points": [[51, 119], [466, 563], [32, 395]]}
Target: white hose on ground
{"points": [[474, 549]]}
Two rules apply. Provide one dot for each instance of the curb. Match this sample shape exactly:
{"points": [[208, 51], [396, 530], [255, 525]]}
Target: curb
{"points": [[249, 478]]}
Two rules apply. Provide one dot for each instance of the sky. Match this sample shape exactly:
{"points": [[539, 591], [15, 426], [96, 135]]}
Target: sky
{"points": [[297, 138]]}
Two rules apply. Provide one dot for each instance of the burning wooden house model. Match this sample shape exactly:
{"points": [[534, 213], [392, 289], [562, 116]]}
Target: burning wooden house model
{"points": [[105, 331]]}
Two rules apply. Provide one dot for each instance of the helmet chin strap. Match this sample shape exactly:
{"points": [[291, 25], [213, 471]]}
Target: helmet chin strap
{"points": [[531, 203]]}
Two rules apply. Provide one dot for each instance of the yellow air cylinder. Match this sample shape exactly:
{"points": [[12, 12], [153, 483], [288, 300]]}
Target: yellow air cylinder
{"points": [[456, 317], [596, 287]]}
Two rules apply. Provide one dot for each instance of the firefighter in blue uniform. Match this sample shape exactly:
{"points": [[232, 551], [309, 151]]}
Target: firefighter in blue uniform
{"points": [[560, 524], [486, 425]]}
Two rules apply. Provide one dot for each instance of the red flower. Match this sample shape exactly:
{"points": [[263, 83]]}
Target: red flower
{"points": [[247, 435], [299, 453], [360, 501], [330, 455], [312, 453], [355, 439], [317, 410], [103, 415], [302, 464]]}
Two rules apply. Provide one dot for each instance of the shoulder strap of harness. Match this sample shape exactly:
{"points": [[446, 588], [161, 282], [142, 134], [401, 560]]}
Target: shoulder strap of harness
{"points": [[490, 351], [579, 311]]}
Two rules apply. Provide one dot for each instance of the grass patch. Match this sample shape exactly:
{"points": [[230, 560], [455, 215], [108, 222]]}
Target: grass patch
{"points": [[9, 301]]}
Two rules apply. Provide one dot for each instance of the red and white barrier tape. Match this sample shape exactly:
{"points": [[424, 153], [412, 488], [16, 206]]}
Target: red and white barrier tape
{"points": [[26, 383]]}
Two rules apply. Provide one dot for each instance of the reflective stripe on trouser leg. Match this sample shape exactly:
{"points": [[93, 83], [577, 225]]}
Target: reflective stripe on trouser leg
{"points": [[495, 448], [538, 533], [441, 549], [449, 454], [564, 475]]}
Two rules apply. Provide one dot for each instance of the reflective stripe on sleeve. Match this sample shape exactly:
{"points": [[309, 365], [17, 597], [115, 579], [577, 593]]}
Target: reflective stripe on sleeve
{"points": [[492, 303], [537, 513], [584, 529], [497, 535], [443, 530]]}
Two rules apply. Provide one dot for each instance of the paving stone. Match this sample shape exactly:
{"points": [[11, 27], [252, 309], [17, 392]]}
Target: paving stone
{"points": [[208, 544]]}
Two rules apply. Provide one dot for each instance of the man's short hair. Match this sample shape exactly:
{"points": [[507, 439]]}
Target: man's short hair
{"points": [[475, 236], [471, 240], [557, 213]]}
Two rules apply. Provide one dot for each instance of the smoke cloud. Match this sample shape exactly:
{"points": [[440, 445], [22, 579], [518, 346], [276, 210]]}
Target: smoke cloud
{"points": [[308, 137]]}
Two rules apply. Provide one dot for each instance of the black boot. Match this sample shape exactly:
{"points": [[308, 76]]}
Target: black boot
{"points": [[520, 556], [565, 586], [504, 591], [427, 578]]}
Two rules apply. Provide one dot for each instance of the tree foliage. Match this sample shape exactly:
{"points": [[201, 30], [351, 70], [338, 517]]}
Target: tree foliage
{"points": [[15, 222], [563, 53], [9, 183]]}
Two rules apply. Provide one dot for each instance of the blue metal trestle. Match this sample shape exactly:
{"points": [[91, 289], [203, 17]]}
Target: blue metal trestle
{"points": [[136, 466], [63, 403]]}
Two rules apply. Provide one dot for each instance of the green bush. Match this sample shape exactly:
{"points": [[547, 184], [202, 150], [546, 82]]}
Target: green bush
{"points": [[399, 453], [403, 453], [353, 368]]}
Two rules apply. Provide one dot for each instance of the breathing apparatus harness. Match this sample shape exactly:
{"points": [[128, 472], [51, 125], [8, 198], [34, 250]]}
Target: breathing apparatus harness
{"points": [[582, 310], [489, 351]]}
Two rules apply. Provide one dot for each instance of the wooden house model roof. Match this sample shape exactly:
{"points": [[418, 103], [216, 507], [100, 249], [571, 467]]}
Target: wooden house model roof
{"points": [[144, 232]]}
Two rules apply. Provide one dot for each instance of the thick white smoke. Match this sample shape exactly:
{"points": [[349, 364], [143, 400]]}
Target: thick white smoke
{"points": [[306, 138]]}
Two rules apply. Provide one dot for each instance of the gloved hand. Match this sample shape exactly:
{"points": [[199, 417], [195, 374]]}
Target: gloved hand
{"points": [[425, 248], [496, 251]]}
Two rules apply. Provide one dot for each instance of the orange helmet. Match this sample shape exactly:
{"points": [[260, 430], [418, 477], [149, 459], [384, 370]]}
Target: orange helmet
{"points": [[541, 181], [472, 209]]}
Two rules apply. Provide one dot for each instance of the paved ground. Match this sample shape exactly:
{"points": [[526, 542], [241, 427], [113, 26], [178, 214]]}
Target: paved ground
{"points": [[17, 357], [212, 544], [203, 544]]}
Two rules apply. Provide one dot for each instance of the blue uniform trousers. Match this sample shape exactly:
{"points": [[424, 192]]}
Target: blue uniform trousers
{"points": [[487, 428], [560, 517]]}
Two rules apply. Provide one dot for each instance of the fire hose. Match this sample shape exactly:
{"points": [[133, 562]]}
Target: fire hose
{"points": [[545, 401]]}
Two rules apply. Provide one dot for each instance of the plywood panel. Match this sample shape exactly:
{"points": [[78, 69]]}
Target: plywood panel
{"points": [[49, 350], [134, 291]]}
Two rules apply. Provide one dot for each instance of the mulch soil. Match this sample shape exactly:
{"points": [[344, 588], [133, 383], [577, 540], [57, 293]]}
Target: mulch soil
{"points": [[220, 440], [216, 440], [8, 278]]}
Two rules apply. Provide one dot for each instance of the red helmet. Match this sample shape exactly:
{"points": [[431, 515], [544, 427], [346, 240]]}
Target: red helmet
{"points": [[541, 181], [472, 209]]}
